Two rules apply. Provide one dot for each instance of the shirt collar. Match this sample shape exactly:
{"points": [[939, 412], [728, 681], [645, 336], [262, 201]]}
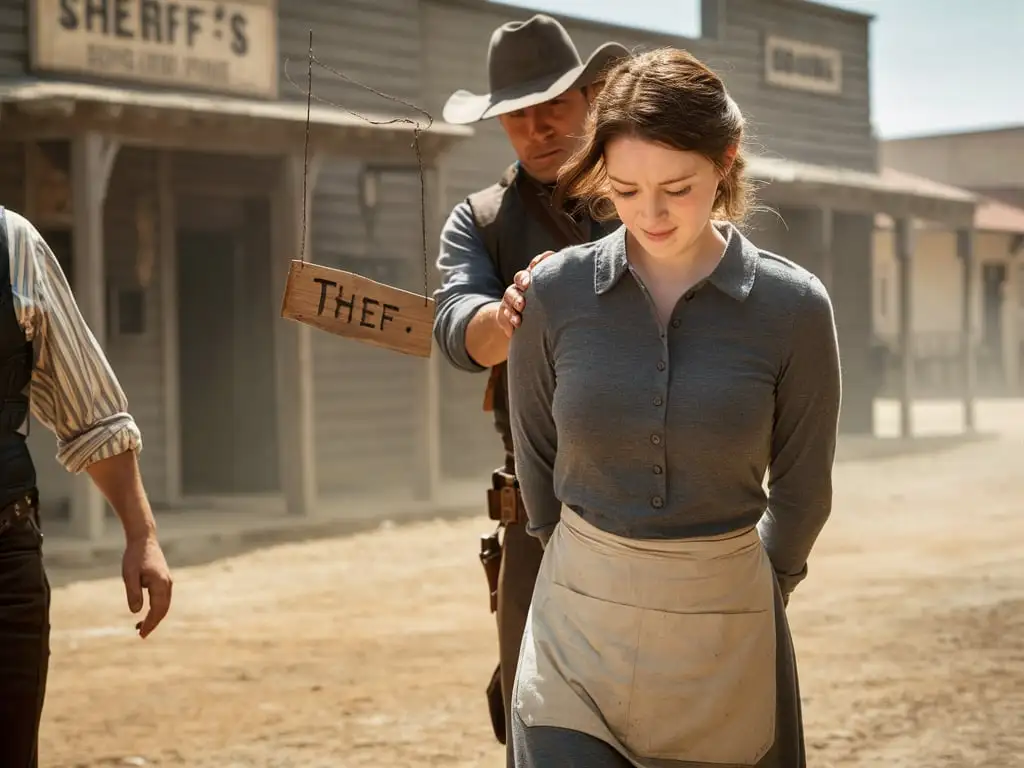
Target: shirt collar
{"points": [[734, 275]]}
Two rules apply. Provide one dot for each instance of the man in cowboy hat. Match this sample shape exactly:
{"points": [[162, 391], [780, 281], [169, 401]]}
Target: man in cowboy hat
{"points": [[540, 92]]}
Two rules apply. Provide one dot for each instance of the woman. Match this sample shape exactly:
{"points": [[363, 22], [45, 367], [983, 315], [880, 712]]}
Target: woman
{"points": [[656, 376]]}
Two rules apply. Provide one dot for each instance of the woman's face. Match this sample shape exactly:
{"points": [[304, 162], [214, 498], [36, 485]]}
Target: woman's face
{"points": [[664, 196]]}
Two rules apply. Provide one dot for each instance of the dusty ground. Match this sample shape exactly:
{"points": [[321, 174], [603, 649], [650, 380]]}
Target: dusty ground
{"points": [[374, 650]]}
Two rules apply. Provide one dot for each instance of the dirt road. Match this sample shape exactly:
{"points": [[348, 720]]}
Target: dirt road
{"points": [[374, 650]]}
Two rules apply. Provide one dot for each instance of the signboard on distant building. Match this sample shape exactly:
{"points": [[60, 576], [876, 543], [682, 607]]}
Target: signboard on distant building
{"points": [[802, 66], [226, 46]]}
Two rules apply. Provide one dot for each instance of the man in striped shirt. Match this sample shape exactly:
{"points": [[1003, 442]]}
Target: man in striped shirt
{"points": [[52, 365]]}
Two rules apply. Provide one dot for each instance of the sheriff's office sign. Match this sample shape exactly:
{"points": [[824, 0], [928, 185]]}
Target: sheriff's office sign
{"points": [[227, 47]]}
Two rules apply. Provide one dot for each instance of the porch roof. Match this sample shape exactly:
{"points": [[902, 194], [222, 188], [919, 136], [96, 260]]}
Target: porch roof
{"points": [[997, 216], [992, 216], [51, 108], [890, 192]]}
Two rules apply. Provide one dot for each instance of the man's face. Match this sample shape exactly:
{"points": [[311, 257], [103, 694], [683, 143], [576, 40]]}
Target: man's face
{"points": [[544, 136]]}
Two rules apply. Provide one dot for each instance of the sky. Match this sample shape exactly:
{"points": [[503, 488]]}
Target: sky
{"points": [[936, 65]]}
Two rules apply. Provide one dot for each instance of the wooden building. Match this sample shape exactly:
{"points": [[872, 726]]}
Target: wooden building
{"points": [[990, 163], [799, 71], [164, 158], [160, 148]]}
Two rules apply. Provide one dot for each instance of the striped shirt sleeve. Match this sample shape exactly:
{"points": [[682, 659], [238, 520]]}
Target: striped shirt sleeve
{"points": [[74, 391]]}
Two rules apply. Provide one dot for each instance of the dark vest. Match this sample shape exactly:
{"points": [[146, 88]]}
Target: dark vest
{"points": [[514, 232], [17, 473]]}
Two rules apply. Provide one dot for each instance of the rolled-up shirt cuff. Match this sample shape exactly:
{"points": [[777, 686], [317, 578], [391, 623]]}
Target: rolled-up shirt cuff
{"points": [[112, 436], [462, 315]]}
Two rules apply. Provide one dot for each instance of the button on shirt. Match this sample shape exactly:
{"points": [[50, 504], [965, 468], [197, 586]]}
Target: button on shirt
{"points": [[651, 432]]}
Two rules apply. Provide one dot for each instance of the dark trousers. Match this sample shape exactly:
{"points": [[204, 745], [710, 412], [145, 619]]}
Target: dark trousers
{"points": [[520, 563], [24, 643]]}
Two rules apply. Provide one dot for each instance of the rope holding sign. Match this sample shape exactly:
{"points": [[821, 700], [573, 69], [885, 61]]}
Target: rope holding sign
{"points": [[305, 147], [344, 303], [417, 129]]}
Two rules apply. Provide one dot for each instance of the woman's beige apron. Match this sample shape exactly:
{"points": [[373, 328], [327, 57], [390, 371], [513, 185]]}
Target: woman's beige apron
{"points": [[664, 649]]}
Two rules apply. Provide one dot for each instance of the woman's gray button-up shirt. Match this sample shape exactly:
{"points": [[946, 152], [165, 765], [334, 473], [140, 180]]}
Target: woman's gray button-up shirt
{"points": [[665, 433]]}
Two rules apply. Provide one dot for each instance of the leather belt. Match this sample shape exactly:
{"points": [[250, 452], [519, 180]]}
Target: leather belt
{"points": [[504, 501], [18, 511]]}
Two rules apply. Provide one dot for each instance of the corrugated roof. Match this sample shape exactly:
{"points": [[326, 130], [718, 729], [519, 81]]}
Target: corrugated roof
{"points": [[997, 216], [924, 186], [889, 181], [989, 215], [282, 111]]}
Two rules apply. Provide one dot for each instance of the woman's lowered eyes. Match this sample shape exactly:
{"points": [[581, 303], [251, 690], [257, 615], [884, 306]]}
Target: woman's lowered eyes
{"points": [[676, 191]]}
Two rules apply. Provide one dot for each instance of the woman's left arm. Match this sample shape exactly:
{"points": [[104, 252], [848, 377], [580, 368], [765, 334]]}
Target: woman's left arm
{"points": [[807, 402]]}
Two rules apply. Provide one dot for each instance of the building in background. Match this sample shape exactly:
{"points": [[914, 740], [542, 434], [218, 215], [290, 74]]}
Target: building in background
{"points": [[800, 72], [989, 163], [997, 304], [160, 148], [163, 156]]}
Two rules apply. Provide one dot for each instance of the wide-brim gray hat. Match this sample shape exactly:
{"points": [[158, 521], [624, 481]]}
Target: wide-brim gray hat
{"points": [[528, 63]]}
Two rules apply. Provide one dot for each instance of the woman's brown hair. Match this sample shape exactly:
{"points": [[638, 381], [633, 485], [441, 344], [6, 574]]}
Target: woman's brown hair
{"points": [[668, 97]]}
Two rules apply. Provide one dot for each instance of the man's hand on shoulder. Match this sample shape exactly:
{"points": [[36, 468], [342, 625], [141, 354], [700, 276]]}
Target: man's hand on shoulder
{"points": [[509, 314]]}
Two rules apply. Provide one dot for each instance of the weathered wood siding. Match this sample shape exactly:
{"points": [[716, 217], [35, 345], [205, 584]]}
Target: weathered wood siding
{"points": [[366, 400], [456, 35], [13, 38], [797, 125], [137, 360], [813, 128]]}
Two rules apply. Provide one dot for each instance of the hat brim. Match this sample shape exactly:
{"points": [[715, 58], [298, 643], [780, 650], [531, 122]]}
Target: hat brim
{"points": [[464, 107]]}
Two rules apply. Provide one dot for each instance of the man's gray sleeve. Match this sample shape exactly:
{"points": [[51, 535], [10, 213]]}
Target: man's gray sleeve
{"points": [[469, 280]]}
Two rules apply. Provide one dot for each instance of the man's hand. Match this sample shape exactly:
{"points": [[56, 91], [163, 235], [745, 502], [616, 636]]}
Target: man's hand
{"points": [[514, 301], [145, 568], [143, 565], [487, 345]]}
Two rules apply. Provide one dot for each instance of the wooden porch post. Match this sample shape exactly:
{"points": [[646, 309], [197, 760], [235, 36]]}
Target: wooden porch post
{"points": [[965, 252], [826, 260], [904, 261], [293, 341], [428, 477], [1014, 299], [92, 160], [169, 308]]}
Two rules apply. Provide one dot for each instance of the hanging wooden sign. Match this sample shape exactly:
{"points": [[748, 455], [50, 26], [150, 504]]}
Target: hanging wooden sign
{"points": [[348, 304], [356, 307]]}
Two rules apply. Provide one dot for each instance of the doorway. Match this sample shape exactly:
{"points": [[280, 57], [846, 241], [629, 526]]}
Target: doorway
{"points": [[228, 397]]}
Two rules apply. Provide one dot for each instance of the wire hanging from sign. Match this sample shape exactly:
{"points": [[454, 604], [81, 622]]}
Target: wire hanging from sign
{"points": [[344, 303]]}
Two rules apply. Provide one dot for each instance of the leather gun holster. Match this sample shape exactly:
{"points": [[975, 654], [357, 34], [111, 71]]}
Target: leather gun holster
{"points": [[490, 558], [505, 506], [504, 501]]}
